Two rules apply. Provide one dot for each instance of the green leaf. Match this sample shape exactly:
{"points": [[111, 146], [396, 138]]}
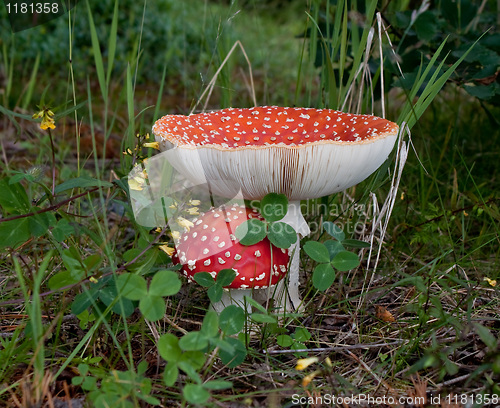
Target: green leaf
{"points": [[62, 279], [204, 279], [251, 231], [237, 356], [215, 293], [62, 230], [21, 176], [72, 259], [274, 207], [13, 233], [170, 374], [225, 277], [323, 276], [210, 325], [89, 383], [355, 243], [486, 336], [281, 235], [132, 286], [317, 251], [232, 320], [92, 262], [165, 283], [152, 307], [302, 334], [284, 340], [123, 307], [107, 294], [13, 198], [222, 344], [189, 370], [142, 265], [168, 347], [39, 223], [345, 261], [218, 385], [195, 359], [484, 92], [263, 318], [426, 26], [83, 300], [81, 182], [333, 247], [333, 230], [193, 341], [83, 369], [195, 394]]}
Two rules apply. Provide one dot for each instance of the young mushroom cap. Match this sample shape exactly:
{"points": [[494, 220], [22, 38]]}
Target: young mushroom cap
{"points": [[211, 246], [303, 153]]}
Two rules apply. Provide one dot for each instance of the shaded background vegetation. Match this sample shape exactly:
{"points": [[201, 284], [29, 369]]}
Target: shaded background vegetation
{"points": [[443, 238]]}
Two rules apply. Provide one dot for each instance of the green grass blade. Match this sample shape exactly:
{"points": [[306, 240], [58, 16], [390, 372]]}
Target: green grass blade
{"points": [[99, 65], [31, 83], [112, 43], [360, 47], [433, 87]]}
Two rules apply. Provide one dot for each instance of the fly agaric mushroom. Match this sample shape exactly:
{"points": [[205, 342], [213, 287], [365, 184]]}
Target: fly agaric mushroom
{"points": [[303, 153], [210, 246]]}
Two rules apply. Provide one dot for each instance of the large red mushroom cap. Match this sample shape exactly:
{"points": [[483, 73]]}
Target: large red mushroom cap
{"points": [[211, 245], [303, 153]]}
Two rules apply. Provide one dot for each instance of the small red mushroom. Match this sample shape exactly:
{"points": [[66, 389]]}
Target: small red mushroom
{"points": [[211, 245]]}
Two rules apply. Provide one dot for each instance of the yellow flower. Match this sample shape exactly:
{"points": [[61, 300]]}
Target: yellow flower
{"points": [[47, 119], [194, 202], [193, 211], [153, 145], [165, 248], [308, 378], [175, 235], [184, 223], [173, 206], [303, 363], [490, 281], [49, 123]]}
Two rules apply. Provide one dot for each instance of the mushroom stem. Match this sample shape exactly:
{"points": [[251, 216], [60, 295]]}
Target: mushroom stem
{"points": [[296, 220], [233, 297]]}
